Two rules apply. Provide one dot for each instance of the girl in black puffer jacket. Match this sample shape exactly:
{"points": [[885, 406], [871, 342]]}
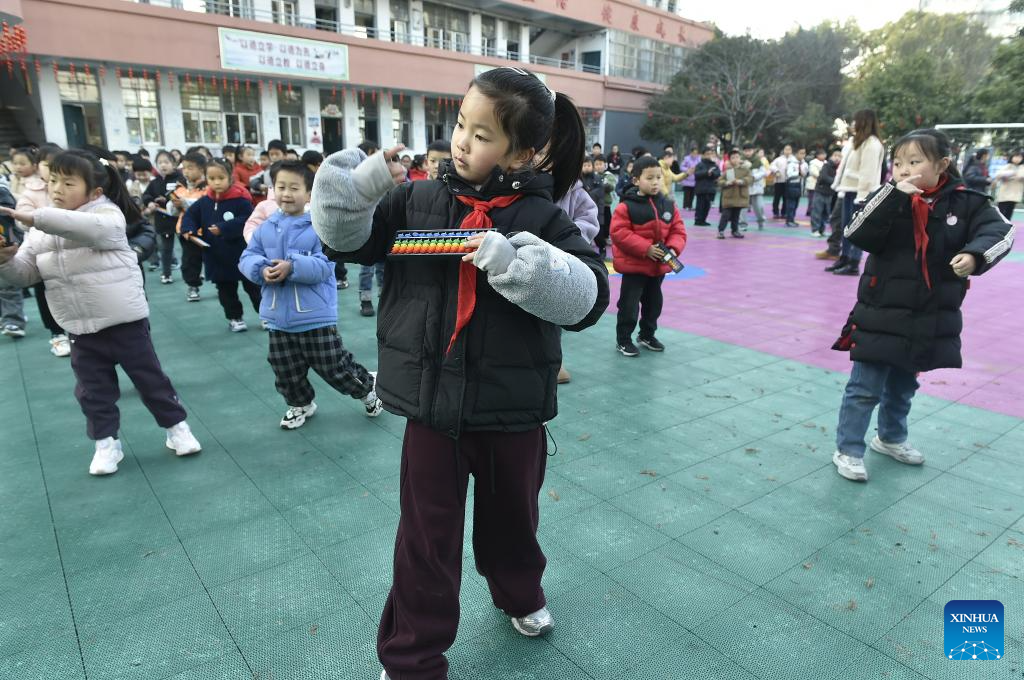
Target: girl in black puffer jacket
{"points": [[470, 349], [926, 233]]}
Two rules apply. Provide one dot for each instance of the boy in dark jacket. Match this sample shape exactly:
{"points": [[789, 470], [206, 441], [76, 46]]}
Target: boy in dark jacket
{"points": [[706, 174], [215, 223], [300, 302], [926, 233], [12, 299], [824, 196], [646, 227]]}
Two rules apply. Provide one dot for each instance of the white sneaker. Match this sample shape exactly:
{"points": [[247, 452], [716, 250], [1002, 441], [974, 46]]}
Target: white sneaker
{"points": [[263, 324], [108, 455], [372, 404], [850, 467], [237, 325], [384, 675], [903, 452], [296, 416], [181, 440], [60, 346], [538, 623]]}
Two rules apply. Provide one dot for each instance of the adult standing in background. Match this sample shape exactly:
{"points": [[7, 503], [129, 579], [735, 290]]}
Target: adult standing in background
{"points": [[1009, 181], [859, 173]]}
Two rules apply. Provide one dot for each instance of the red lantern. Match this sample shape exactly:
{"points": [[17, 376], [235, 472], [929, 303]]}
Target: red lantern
{"points": [[334, 91], [248, 86], [236, 83], [88, 73], [374, 95], [289, 87], [280, 87], [71, 69], [200, 82], [39, 67], [259, 86], [362, 97], [224, 83], [401, 99], [213, 82], [103, 74], [56, 70]]}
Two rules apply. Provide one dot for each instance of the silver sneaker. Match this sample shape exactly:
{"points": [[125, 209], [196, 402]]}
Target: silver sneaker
{"points": [[903, 452], [538, 623], [850, 467]]}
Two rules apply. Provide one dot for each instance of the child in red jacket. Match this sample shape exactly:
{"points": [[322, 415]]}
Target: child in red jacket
{"points": [[645, 227]]}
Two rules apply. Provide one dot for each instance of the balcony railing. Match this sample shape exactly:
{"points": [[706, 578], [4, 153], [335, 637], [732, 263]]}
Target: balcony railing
{"points": [[244, 9]]}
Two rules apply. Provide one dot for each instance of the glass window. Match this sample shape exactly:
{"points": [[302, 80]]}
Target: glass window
{"points": [[400, 21], [219, 117], [231, 8], [284, 12], [447, 28], [401, 119], [369, 121], [291, 130], [631, 56], [142, 110], [78, 88], [440, 119]]}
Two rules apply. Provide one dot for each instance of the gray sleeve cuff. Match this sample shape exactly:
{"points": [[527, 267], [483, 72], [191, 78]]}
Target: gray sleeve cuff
{"points": [[345, 192], [549, 283], [495, 254]]}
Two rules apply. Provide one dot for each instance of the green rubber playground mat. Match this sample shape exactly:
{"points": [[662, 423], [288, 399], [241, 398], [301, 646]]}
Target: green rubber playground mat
{"points": [[693, 522]]}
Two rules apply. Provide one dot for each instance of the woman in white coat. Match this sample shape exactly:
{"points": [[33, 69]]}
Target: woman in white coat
{"points": [[859, 173]]}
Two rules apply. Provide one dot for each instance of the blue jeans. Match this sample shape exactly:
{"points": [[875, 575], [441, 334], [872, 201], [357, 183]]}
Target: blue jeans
{"points": [[849, 251], [790, 200], [821, 205], [366, 273], [870, 385]]}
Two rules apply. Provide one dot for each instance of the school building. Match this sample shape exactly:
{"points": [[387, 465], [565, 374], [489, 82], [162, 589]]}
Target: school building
{"points": [[318, 74]]}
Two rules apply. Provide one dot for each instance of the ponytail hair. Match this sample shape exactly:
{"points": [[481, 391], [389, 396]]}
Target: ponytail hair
{"points": [[531, 115], [98, 172], [935, 146]]}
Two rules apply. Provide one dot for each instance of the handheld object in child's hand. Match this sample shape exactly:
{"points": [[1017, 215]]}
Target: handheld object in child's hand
{"points": [[443, 242], [670, 259]]}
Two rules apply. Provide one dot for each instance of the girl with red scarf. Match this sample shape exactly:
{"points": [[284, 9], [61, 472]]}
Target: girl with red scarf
{"points": [[469, 348], [926, 233]]}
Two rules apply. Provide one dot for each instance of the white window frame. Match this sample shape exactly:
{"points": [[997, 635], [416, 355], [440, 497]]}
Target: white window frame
{"points": [[294, 134], [203, 116]]}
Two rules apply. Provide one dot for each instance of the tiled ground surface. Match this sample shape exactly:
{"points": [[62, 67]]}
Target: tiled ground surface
{"points": [[694, 525]]}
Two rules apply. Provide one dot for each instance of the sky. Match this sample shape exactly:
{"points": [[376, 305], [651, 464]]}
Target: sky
{"points": [[771, 19]]}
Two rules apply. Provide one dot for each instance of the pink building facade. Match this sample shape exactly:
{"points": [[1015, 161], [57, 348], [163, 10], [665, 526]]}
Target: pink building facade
{"points": [[319, 74]]}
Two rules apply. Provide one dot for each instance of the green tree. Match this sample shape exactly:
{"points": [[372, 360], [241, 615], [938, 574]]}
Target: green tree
{"points": [[1000, 96], [921, 70], [743, 89], [726, 87]]}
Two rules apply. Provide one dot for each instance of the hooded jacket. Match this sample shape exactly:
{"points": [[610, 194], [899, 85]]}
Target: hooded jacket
{"points": [[898, 320], [639, 222], [309, 296], [229, 212], [92, 275], [501, 371]]}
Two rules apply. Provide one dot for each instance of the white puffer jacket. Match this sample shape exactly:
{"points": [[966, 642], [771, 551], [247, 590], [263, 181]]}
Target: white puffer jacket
{"points": [[92, 275]]}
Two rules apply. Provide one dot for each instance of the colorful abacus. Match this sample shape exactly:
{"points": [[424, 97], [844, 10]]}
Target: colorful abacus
{"points": [[442, 242]]}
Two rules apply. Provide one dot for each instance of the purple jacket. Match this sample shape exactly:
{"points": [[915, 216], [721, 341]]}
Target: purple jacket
{"points": [[688, 164], [582, 210]]}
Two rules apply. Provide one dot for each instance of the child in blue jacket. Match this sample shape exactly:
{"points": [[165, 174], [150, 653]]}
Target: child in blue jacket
{"points": [[300, 302], [217, 220]]}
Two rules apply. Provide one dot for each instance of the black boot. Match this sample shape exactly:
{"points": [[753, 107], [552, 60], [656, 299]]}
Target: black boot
{"points": [[850, 269], [838, 264]]}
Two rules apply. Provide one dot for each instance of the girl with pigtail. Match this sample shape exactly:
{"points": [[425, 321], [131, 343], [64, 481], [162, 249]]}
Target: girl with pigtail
{"points": [[470, 349]]}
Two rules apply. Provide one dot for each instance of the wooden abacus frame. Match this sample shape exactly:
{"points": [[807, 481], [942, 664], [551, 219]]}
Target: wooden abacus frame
{"points": [[425, 239]]}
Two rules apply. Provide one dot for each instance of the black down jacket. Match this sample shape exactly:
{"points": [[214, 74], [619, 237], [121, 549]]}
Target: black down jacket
{"points": [[501, 374], [898, 320]]}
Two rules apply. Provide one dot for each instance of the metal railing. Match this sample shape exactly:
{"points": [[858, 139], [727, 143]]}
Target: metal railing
{"points": [[244, 9]]}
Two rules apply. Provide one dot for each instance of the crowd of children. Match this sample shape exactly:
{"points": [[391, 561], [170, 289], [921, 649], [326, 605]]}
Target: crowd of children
{"points": [[469, 349]]}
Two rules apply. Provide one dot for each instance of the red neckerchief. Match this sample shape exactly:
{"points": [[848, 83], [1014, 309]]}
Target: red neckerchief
{"points": [[478, 219], [920, 210]]}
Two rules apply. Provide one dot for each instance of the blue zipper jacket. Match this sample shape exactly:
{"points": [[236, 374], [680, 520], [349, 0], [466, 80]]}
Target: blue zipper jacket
{"points": [[308, 298]]}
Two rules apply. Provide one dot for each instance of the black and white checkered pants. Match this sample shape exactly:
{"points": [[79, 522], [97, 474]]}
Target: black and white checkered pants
{"points": [[293, 354]]}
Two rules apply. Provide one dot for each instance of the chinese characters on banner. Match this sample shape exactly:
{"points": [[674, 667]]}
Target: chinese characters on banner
{"points": [[279, 55]]}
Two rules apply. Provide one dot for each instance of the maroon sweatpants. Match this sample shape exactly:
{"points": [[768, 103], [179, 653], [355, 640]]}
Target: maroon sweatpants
{"points": [[421, 616], [94, 359]]}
